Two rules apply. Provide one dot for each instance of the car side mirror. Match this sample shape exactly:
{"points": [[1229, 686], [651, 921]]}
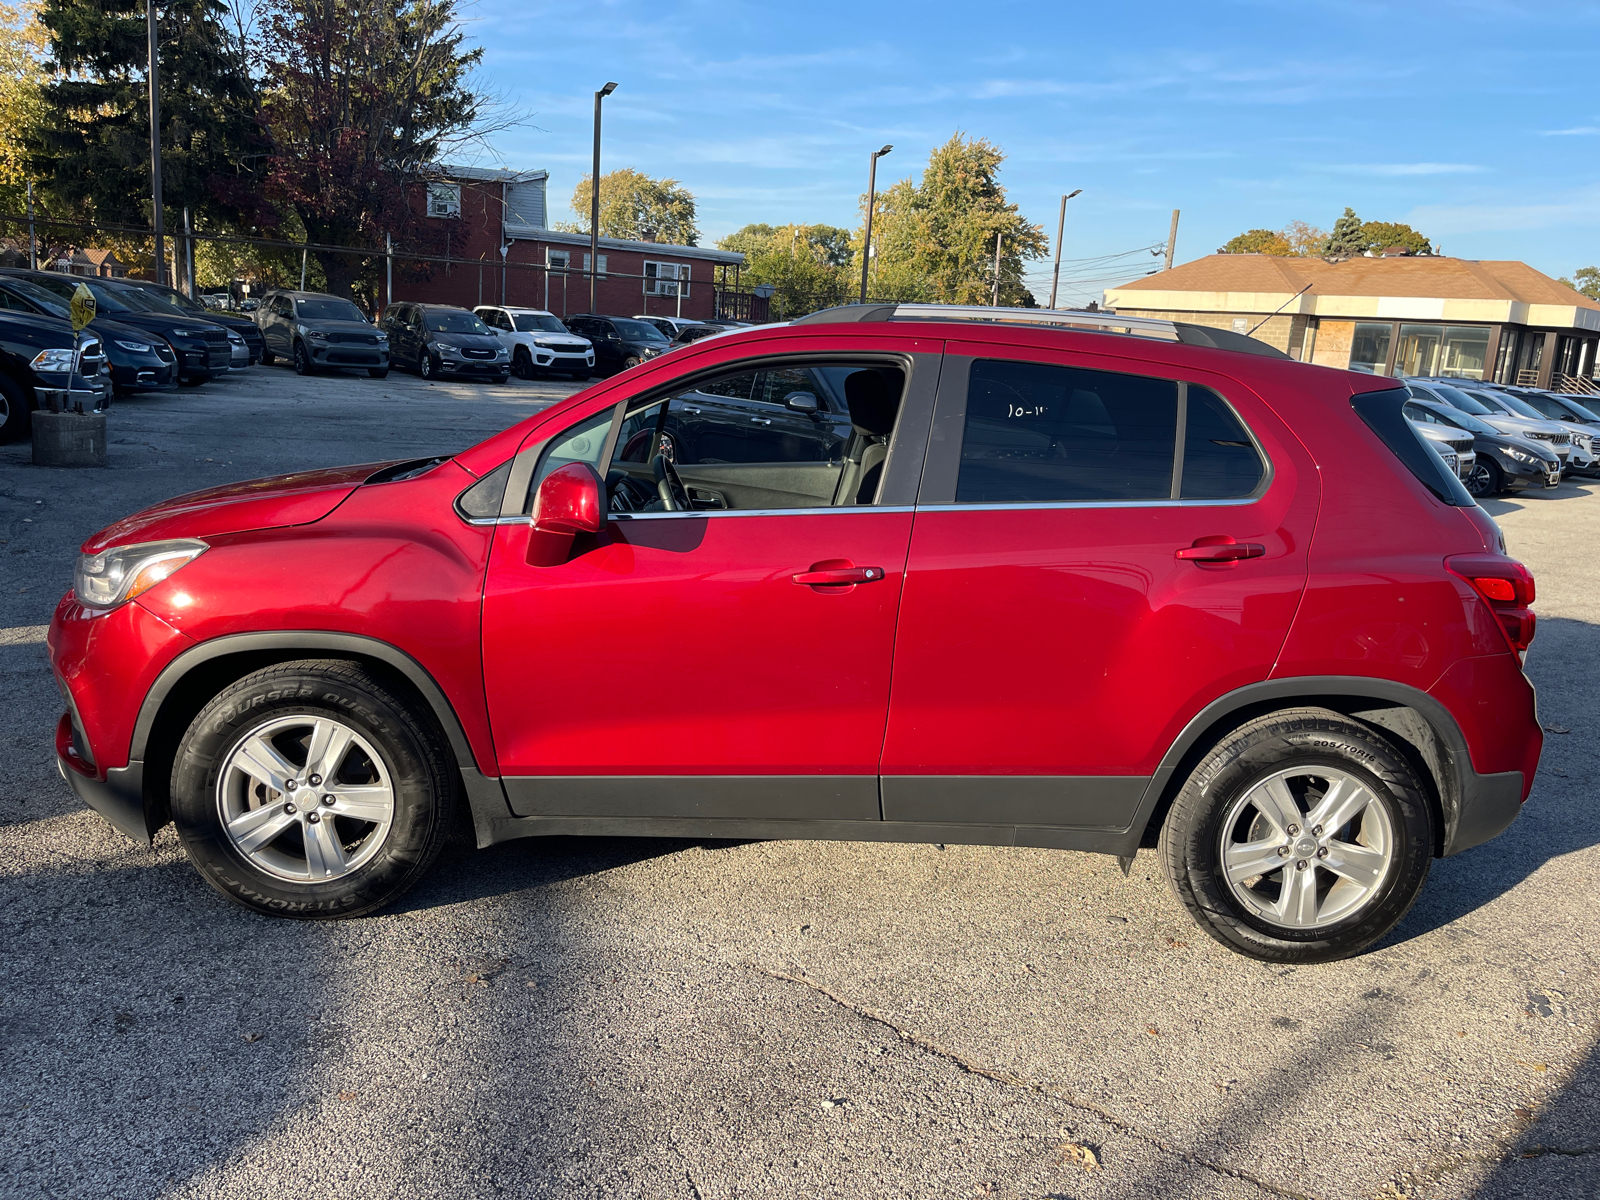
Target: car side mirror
{"points": [[801, 402], [570, 501]]}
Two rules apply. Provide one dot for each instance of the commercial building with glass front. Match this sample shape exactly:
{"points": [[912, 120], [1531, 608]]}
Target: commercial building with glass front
{"points": [[1394, 315]]}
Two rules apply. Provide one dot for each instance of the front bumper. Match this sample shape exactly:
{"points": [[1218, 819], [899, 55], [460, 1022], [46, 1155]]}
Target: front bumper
{"points": [[474, 366], [348, 354], [119, 799]]}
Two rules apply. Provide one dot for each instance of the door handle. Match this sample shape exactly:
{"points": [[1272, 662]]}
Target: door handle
{"points": [[1207, 550], [836, 576]]}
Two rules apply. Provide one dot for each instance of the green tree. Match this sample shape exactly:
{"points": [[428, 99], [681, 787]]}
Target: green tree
{"points": [[1380, 235], [632, 204], [1586, 281], [806, 264], [92, 150], [1258, 241], [1347, 239], [22, 113], [938, 236]]}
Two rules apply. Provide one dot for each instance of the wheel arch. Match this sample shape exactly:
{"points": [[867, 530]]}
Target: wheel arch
{"points": [[1419, 727], [189, 682]]}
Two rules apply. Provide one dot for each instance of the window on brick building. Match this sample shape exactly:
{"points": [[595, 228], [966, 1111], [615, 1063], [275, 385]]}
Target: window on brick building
{"points": [[666, 279]]}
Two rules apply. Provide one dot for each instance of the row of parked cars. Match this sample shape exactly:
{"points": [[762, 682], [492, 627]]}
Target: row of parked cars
{"points": [[1500, 438]]}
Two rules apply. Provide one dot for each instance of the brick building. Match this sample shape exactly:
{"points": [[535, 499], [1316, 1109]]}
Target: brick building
{"points": [[480, 211], [1391, 315]]}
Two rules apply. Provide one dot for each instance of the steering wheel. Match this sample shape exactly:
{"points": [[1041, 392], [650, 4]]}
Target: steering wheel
{"points": [[674, 496]]}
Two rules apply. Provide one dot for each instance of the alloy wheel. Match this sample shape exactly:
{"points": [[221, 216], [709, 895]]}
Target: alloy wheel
{"points": [[1480, 480], [1306, 847], [425, 365], [305, 798]]}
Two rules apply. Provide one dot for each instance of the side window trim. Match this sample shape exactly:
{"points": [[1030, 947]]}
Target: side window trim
{"points": [[949, 419]]}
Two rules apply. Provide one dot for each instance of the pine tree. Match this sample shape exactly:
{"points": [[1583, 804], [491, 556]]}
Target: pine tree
{"points": [[1347, 239]]}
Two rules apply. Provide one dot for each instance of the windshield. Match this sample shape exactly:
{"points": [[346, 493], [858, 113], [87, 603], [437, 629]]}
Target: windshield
{"points": [[1476, 406], [1523, 409], [44, 299], [1582, 413], [637, 331], [164, 299], [330, 309], [528, 323], [103, 299], [452, 320]]}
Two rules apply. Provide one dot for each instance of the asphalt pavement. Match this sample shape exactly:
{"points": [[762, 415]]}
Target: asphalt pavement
{"points": [[664, 1018]]}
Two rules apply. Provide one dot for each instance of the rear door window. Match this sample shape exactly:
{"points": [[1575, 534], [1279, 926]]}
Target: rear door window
{"points": [[1220, 460]]}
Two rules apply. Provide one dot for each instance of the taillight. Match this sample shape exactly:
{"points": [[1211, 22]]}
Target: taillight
{"points": [[1506, 586]]}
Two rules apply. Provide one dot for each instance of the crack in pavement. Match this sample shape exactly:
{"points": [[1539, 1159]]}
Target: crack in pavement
{"points": [[1053, 1091]]}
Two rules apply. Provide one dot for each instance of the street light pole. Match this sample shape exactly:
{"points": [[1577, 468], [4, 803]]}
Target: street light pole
{"points": [[594, 199], [998, 236], [1061, 227], [872, 202], [159, 273]]}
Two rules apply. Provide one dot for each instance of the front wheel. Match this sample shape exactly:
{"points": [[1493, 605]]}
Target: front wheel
{"points": [[311, 790], [1302, 837], [522, 364], [425, 364], [630, 362], [1485, 478], [302, 359], [16, 414]]}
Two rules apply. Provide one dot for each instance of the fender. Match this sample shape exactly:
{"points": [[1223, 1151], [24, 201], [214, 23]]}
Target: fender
{"points": [[1475, 807]]}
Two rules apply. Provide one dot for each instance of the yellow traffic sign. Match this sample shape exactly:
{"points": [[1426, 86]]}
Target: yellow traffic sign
{"points": [[83, 308]]}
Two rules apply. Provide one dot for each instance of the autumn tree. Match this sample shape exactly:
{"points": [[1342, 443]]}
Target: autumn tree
{"points": [[807, 265], [22, 50], [1258, 241], [1585, 281], [1304, 240], [91, 149], [1381, 235], [632, 205]]}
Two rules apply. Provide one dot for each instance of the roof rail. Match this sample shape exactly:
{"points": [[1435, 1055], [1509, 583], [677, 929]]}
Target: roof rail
{"points": [[1055, 318]]}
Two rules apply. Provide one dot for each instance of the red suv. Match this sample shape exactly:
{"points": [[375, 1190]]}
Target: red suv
{"points": [[894, 573]]}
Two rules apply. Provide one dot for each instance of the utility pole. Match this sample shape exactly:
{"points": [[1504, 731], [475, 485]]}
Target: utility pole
{"points": [[188, 252], [1061, 227], [160, 258], [33, 240], [594, 208], [1172, 239], [998, 236], [872, 202], [303, 268], [388, 273]]}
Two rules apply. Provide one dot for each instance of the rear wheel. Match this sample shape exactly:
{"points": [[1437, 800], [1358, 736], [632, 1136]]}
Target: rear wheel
{"points": [[1485, 478], [311, 790], [1303, 837], [16, 414]]}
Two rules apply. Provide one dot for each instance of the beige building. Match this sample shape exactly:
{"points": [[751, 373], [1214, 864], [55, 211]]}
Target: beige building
{"points": [[1394, 315]]}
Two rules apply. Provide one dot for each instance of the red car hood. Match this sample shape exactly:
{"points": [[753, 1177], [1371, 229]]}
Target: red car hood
{"points": [[296, 499]]}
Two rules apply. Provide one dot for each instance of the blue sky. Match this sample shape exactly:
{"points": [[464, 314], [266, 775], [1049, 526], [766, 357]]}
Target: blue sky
{"points": [[1477, 121]]}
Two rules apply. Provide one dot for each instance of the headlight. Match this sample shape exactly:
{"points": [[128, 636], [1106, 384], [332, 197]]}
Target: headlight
{"points": [[116, 576], [235, 339], [189, 334], [383, 337], [136, 347], [316, 335], [53, 360]]}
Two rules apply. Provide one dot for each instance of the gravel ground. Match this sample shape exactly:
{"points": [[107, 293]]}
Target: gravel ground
{"points": [[654, 1018]]}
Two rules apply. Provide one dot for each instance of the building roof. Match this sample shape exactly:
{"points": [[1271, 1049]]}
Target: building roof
{"points": [[487, 174], [532, 233], [1421, 288]]}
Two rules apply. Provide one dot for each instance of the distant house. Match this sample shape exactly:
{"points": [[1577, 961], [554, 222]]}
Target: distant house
{"points": [[545, 268], [101, 263], [1389, 315]]}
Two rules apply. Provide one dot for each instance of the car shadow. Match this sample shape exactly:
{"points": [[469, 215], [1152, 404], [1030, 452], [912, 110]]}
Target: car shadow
{"points": [[1556, 1150], [1499, 506], [1560, 816]]}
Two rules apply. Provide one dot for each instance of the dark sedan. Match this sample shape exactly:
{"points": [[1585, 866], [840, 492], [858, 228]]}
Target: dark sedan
{"points": [[172, 300], [1504, 462], [201, 346], [139, 362]]}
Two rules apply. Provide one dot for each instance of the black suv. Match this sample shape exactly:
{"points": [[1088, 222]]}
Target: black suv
{"points": [[619, 342], [170, 299], [37, 352], [437, 340], [314, 330], [139, 362], [201, 347]]}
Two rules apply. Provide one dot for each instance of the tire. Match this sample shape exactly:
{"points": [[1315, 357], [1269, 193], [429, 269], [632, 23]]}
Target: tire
{"points": [[522, 363], [267, 358], [302, 360], [630, 362], [378, 372], [395, 769], [16, 413], [1387, 842], [425, 364], [1486, 478]]}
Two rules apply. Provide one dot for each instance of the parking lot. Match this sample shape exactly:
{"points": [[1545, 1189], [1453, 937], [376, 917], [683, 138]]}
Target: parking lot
{"points": [[655, 1018]]}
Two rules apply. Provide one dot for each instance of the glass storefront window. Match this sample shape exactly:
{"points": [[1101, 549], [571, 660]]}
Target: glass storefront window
{"points": [[1418, 351], [1369, 348], [1465, 349], [1506, 359]]}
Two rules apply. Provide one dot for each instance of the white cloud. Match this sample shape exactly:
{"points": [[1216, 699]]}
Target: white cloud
{"points": [[1421, 168], [1575, 131]]}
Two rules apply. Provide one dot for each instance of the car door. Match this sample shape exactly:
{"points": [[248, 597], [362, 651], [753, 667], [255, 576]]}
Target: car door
{"points": [[274, 330], [1102, 547], [722, 664]]}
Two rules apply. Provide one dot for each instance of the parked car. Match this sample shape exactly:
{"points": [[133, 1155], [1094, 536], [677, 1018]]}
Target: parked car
{"points": [[37, 353], [1483, 404], [539, 342], [241, 351], [619, 342], [1454, 446], [437, 340], [176, 301], [316, 331], [1540, 404], [668, 327], [200, 346], [139, 361], [1285, 650], [1501, 462], [690, 334]]}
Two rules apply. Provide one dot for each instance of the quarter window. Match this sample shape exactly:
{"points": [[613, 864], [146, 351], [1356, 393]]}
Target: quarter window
{"points": [[1220, 462]]}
